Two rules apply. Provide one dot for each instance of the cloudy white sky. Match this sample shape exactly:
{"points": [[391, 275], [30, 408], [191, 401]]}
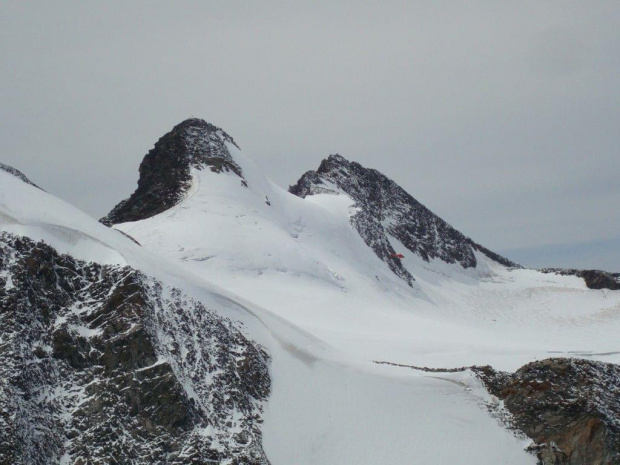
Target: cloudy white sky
{"points": [[502, 117]]}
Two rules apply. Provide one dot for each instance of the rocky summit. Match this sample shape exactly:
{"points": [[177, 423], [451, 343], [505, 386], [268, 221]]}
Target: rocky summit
{"points": [[385, 209], [165, 172]]}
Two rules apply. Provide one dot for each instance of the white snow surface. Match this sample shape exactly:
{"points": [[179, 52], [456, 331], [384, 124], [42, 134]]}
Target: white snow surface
{"points": [[302, 260], [302, 283], [33, 213]]}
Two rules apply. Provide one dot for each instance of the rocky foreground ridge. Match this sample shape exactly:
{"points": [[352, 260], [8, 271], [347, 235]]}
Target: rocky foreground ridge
{"points": [[569, 407], [102, 364]]}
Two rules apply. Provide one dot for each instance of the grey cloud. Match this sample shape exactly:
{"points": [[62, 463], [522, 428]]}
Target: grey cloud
{"points": [[501, 116]]}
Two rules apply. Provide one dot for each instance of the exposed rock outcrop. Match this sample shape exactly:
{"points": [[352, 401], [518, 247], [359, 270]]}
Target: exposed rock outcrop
{"points": [[102, 364], [165, 172], [569, 407], [594, 279], [18, 174], [384, 210]]}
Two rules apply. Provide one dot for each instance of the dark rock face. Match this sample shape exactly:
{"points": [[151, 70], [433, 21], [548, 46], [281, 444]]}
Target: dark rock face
{"points": [[384, 208], [165, 173], [17, 174], [569, 407], [101, 364], [595, 279]]}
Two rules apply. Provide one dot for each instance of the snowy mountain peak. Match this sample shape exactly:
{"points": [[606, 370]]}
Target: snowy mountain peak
{"points": [[248, 309], [165, 172], [193, 127], [335, 158], [388, 218], [18, 174]]}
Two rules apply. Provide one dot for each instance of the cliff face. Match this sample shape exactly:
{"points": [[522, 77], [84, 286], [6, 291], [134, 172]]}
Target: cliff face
{"points": [[165, 172], [99, 363], [386, 210], [569, 407]]}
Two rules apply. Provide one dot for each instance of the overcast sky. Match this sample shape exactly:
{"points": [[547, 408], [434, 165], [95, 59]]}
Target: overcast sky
{"points": [[502, 117]]}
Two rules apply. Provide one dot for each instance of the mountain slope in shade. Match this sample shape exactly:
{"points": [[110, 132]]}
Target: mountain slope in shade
{"points": [[384, 209]]}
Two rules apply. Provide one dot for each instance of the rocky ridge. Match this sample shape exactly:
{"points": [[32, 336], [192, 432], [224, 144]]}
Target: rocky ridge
{"points": [[102, 364], [165, 172], [569, 407], [385, 209], [18, 174]]}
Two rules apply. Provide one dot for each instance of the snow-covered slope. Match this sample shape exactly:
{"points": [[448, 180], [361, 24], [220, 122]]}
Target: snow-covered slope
{"points": [[232, 265], [324, 406], [15, 172], [305, 260], [324, 264]]}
